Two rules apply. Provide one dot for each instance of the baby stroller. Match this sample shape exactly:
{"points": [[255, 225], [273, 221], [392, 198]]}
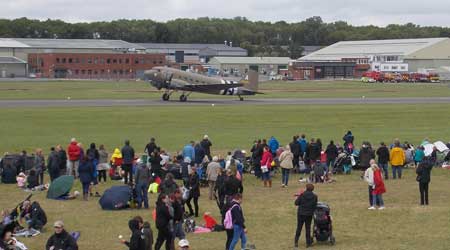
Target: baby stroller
{"points": [[344, 163], [323, 228]]}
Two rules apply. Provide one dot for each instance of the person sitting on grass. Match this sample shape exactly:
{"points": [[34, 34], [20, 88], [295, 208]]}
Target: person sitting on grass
{"points": [[21, 180], [34, 215], [32, 179], [61, 240]]}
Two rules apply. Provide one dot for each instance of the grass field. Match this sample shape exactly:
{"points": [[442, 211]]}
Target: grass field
{"points": [[142, 90], [270, 214]]}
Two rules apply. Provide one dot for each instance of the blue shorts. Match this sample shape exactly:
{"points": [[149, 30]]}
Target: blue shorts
{"points": [[266, 176]]}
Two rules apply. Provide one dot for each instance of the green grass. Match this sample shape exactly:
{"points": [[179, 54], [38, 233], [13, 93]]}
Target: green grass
{"points": [[271, 216], [228, 126], [142, 90]]}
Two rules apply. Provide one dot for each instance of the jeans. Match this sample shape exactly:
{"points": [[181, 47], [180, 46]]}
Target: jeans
{"points": [[164, 235], [330, 163], [285, 176], [85, 187], [141, 190], [296, 161], [303, 219], [41, 177], [128, 169], [385, 168], [395, 170], [72, 168], [371, 197], [423, 188], [188, 203], [179, 231], [238, 232], [378, 199]]}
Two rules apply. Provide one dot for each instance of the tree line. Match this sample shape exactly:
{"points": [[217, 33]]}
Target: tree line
{"points": [[259, 38]]}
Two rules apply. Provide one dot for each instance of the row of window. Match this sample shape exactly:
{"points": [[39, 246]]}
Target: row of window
{"points": [[101, 72], [107, 61]]}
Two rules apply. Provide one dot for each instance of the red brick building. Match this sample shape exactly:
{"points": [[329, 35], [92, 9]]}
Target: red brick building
{"points": [[93, 65]]}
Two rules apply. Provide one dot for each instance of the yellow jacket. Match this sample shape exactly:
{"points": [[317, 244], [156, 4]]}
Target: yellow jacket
{"points": [[116, 155], [397, 157]]}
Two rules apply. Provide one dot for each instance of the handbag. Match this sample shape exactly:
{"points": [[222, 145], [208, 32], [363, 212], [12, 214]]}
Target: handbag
{"points": [[264, 169]]}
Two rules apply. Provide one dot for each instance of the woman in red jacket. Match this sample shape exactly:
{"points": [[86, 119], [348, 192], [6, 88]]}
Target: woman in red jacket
{"points": [[266, 165], [379, 189]]}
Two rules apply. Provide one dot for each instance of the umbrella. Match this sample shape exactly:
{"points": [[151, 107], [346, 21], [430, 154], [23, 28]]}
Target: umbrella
{"points": [[60, 186], [116, 197]]}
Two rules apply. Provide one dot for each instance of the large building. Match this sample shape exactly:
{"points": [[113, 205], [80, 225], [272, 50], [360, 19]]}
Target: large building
{"points": [[76, 58], [192, 54], [352, 58], [240, 65]]}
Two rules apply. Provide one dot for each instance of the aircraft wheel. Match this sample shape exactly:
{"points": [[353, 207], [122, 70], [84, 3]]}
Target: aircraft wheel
{"points": [[183, 98], [165, 97], [241, 98]]}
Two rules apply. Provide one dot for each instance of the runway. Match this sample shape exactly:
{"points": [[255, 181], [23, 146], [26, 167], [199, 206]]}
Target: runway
{"points": [[219, 102]]}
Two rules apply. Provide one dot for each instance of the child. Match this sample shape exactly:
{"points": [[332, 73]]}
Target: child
{"points": [[21, 180]]}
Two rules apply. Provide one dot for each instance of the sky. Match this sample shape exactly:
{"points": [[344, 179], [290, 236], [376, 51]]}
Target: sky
{"points": [[356, 12]]}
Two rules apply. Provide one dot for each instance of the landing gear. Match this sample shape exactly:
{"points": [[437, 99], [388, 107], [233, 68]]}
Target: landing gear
{"points": [[241, 98], [165, 96], [183, 98]]}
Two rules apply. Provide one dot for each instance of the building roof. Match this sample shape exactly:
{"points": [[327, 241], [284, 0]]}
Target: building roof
{"points": [[11, 43], [189, 46], [67, 43], [11, 60], [253, 60], [362, 49]]}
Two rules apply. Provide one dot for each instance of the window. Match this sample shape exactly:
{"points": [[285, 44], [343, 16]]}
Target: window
{"points": [[95, 72], [394, 67], [83, 71], [136, 61], [70, 60], [89, 72], [403, 67], [77, 60], [82, 60], [121, 72], [160, 62], [95, 60], [385, 67], [102, 71], [127, 61], [154, 62], [108, 61], [120, 60], [114, 61], [89, 60], [102, 61], [114, 71], [142, 61], [77, 72]]}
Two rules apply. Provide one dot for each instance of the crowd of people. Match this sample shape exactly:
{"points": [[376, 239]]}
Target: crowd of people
{"points": [[195, 166]]}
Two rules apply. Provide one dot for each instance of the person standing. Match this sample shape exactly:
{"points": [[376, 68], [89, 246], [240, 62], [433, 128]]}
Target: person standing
{"points": [[137, 241], [151, 147], [266, 165], [273, 145], [397, 158], [383, 159], [53, 164], [93, 156], [306, 203], [211, 174], [194, 193], [379, 189], [423, 172], [332, 153], [286, 163], [103, 164], [257, 153], [164, 222], [61, 240], [295, 149], [348, 141], [155, 163], [206, 145], [419, 155], [365, 156], [368, 177], [176, 200], [85, 173], [39, 166], [74, 153], [239, 230], [188, 151], [199, 155], [127, 161], [303, 146], [62, 160], [142, 181]]}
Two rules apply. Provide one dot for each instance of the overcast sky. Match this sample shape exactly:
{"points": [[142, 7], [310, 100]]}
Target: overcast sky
{"points": [[356, 12]]}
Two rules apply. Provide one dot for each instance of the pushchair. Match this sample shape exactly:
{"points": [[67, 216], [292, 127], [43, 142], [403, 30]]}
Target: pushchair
{"points": [[323, 226], [344, 163]]}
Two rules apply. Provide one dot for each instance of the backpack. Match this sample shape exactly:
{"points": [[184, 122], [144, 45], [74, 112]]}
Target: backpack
{"points": [[228, 221]]}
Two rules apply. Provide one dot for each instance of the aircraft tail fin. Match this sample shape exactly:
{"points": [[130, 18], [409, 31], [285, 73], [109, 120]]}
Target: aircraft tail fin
{"points": [[251, 83]]}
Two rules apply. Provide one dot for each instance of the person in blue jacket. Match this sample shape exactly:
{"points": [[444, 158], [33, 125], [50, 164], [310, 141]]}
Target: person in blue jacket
{"points": [[273, 145], [86, 173], [303, 145], [188, 151]]}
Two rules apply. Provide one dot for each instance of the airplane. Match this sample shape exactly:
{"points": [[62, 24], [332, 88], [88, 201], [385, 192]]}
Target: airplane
{"points": [[173, 80]]}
